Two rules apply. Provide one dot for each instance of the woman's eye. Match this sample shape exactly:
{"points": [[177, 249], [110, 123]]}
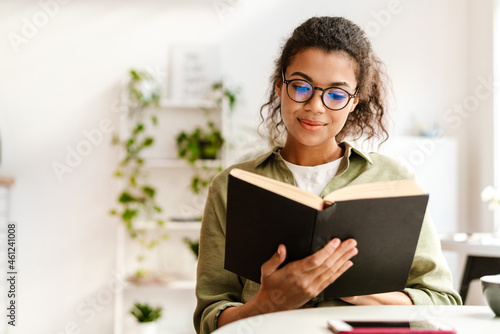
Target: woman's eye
{"points": [[301, 89], [337, 95]]}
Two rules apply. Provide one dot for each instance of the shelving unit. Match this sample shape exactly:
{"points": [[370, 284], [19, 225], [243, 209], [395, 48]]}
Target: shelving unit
{"points": [[171, 176], [179, 163]]}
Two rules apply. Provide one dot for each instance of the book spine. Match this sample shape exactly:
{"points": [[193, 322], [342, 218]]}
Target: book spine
{"points": [[323, 228]]}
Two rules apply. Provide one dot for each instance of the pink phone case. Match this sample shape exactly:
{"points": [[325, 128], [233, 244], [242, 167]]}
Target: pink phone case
{"points": [[341, 327]]}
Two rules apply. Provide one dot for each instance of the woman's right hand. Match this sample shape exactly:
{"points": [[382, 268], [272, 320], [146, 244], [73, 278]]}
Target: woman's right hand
{"points": [[293, 285], [297, 282]]}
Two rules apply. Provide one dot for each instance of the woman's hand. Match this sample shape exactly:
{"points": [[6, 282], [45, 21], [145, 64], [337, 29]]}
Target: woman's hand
{"points": [[293, 285], [388, 298]]}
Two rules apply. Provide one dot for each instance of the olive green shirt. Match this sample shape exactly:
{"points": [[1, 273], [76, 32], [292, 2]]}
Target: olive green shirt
{"points": [[429, 282]]}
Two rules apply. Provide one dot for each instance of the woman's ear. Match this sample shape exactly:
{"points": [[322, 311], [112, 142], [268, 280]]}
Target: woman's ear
{"points": [[277, 88], [354, 104]]}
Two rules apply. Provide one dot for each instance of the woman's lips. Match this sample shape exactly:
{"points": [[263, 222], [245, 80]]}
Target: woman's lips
{"points": [[311, 125]]}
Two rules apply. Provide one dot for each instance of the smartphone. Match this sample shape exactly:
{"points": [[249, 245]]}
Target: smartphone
{"points": [[393, 327]]}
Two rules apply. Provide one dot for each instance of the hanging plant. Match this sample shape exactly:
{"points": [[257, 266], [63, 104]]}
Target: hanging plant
{"points": [[137, 200], [220, 92]]}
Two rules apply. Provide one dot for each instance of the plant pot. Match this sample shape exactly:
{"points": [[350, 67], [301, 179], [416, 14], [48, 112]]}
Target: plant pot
{"points": [[147, 327]]}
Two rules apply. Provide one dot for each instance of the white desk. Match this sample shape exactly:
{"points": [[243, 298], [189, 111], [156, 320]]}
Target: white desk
{"points": [[477, 245], [465, 319]]}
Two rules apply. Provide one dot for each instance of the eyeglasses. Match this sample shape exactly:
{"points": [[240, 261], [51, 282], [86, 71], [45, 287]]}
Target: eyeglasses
{"points": [[333, 98]]}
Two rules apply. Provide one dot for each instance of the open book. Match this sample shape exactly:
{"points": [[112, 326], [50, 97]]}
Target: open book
{"points": [[384, 217]]}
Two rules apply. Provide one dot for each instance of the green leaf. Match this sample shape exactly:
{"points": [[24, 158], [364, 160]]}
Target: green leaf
{"points": [[154, 120], [128, 214], [149, 191], [194, 245], [135, 75], [148, 141], [144, 312], [126, 198], [138, 128], [195, 184], [115, 140], [129, 143]]}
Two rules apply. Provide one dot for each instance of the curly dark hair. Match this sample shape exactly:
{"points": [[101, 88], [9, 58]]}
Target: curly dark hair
{"points": [[335, 34]]}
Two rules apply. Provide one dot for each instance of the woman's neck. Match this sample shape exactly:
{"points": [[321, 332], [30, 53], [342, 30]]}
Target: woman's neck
{"points": [[311, 155]]}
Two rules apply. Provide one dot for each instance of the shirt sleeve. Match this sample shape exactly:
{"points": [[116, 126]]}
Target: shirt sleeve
{"points": [[430, 281], [216, 288]]}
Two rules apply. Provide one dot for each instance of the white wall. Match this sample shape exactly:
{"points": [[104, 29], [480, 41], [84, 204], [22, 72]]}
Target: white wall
{"points": [[65, 80], [477, 136]]}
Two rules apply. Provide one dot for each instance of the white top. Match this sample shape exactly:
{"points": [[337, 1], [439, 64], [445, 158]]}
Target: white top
{"points": [[314, 178]]}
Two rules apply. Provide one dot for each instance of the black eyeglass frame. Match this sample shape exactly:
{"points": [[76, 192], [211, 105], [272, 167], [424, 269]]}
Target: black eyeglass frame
{"points": [[323, 90]]}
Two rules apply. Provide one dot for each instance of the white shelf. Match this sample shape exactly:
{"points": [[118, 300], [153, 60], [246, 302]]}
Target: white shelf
{"points": [[184, 226], [180, 163], [187, 104], [190, 225], [172, 285]]}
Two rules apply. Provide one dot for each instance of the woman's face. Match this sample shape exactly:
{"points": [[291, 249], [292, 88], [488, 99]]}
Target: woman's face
{"points": [[311, 123]]}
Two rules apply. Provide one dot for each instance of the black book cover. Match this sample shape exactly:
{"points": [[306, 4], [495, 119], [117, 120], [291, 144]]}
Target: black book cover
{"points": [[386, 229]]}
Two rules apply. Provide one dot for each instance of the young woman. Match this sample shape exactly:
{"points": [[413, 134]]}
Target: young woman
{"points": [[327, 86]]}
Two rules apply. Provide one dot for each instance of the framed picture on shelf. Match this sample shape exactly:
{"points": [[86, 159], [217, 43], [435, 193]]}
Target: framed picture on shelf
{"points": [[193, 70]]}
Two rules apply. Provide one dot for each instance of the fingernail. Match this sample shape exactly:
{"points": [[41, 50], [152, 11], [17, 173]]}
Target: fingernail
{"points": [[336, 242], [279, 250]]}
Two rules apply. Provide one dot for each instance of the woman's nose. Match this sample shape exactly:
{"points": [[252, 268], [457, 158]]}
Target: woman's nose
{"points": [[315, 104]]}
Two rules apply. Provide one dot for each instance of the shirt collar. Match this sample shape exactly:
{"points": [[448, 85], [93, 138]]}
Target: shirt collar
{"points": [[264, 157], [349, 149]]}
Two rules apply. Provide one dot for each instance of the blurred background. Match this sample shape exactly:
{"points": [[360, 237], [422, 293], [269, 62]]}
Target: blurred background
{"points": [[64, 95]]}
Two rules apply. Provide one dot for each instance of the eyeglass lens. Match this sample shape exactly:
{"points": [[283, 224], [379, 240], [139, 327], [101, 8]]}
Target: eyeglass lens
{"points": [[301, 91]]}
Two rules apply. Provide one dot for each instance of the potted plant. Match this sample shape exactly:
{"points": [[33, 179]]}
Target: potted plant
{"points": [[200, 144], [205, 143], [146, 317]]}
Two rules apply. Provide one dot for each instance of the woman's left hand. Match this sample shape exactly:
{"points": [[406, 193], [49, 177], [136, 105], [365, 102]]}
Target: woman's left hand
{"points": [[388, 298]]}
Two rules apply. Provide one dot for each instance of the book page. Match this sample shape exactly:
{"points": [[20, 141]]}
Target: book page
{"points": [[397, 188], [283, 189]]}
